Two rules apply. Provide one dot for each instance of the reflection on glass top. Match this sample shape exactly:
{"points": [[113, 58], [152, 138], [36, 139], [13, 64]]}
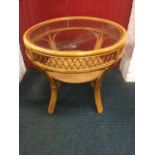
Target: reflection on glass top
{"points": [[75, 34]]}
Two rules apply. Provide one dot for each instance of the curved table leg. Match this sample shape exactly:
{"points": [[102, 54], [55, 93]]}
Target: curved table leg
{"points": [[98, 100], [54, 91], [97, 94]]}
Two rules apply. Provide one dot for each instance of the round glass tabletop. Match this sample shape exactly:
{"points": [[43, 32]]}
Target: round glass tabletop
{"points": [[74, 34]]}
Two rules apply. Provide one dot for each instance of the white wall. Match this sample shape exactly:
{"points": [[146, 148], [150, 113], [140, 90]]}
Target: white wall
{"points": [[22, 68], [127, 66]]}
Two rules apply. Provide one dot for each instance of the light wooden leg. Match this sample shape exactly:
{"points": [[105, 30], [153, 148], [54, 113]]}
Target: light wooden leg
{"points": [[97, 94], [54, 91], [53, 99], [98, 100]]}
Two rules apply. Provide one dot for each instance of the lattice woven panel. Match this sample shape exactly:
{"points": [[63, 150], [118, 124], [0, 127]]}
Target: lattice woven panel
{"points": [[74, 63]]}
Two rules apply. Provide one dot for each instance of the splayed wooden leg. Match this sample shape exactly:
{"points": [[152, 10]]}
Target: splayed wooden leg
{"points": [[54, 91], [97, 94], [98, 100]]}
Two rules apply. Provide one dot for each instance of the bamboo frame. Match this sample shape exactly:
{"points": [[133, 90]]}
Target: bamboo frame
{"points": [[74, 62]]}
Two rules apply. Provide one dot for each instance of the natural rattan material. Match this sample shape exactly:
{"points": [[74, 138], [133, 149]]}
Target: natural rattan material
{"points": [[75, 50]]}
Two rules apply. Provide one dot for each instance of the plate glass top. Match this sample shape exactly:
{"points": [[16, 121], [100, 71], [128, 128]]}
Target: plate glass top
{"points": [[74, 34]]}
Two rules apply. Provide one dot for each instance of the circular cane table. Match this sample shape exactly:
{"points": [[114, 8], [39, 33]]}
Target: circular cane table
{"points": [[75, 49]]}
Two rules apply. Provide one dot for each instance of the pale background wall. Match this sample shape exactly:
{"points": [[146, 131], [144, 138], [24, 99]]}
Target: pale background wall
{"points": [[127, 65], [22, 68]]}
